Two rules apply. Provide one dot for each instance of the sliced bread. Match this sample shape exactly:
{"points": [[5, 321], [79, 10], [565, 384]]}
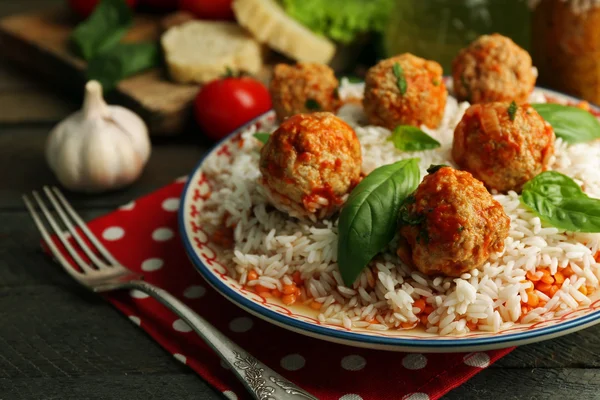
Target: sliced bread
{"points": [[270, 24], [200, 51]]}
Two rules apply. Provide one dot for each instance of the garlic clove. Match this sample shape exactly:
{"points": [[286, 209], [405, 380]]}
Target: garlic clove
{"points": [[100, 147]]}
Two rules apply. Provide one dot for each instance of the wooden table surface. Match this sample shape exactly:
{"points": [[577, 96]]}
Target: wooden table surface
{"points": [[59, 342]]}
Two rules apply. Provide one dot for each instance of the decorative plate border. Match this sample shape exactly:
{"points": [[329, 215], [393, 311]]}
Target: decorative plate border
{"points": [[301, 319]]}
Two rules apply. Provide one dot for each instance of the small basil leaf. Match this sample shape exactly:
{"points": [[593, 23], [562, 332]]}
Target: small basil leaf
{"points": [[411, 138], [352, 79], [572, 124], [103, 29], [368, 220], [262, 136], [400, 79], [435, 168], [312, 105], [123, 60], [560, 202], [512, 110]]}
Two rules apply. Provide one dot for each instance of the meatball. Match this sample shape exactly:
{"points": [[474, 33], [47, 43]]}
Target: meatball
{"points": [[405, 90], [310, 164], [493, 68], [303, 88], [502, 144], [450, 224]]}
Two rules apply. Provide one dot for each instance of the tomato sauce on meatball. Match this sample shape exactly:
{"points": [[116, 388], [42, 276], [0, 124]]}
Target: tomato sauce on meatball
{"points": [[303, 88], [450, 224], [405, 90], [310, 164], [503, 147], [493, 68]]}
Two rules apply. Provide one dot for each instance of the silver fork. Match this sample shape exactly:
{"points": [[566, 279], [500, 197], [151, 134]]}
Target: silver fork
{"points": [[105, 274]]}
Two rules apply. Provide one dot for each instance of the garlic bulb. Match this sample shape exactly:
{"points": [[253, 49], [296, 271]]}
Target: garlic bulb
{"points": [[99, 147]]}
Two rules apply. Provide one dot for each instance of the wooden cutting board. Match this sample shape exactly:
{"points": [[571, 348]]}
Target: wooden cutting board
{"points": [[38, 42]]}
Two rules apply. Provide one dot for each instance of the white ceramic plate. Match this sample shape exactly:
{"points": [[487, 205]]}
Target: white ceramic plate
{"points": [[302, 319]]}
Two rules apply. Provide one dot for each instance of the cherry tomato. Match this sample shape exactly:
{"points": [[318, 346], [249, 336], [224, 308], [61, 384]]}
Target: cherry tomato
{"points": [[223, 105], [208, 9], [84, 8]]}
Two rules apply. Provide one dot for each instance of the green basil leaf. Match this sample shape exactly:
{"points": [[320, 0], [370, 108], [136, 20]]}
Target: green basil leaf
{"points": [[411, 138], [368, 220], [312, 105], [262, 136], [123, 60], [512, 110], [400, 79], [560, 202], [572, 124], [103, 29]]}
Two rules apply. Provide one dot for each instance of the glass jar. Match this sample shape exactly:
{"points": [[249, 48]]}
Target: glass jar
{"points": [[566, 46], [439, 29]]}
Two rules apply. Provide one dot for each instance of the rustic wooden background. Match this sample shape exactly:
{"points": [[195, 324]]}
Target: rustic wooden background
{"points": [[59, 342]]}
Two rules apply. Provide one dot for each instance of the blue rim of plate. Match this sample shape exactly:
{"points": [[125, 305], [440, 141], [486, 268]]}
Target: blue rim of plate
{"points": [[238, 299]]}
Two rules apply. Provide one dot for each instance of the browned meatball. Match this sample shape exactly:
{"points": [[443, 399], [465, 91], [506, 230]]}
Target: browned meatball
{"points": [[502, 146], [405, 90], [310, 164], [303, 88], [451, 224], [493, 68]]}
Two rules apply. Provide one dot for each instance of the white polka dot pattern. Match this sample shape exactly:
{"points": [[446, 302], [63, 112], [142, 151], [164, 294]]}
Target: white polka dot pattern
{"points": [[477, 360], [113, 233], [293, 362], [181, 326], [128, 207], [416, 396], [241, 324], [162, 234], [353, 363], [351, 396], [414, 361], [230, 395], [135, 320], [180, 357], [194, 292], [137, 294], [171, 204], [152, 264]]}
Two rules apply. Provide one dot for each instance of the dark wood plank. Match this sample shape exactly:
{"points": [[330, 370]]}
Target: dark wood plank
{"points": [[23, 167]]}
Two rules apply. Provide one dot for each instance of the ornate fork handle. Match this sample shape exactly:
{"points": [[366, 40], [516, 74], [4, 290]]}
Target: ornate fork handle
{"points": [[262, 381]]}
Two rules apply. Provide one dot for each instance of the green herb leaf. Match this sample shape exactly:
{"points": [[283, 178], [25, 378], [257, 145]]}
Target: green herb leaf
{"points": [[512, 110], [436, 82], [435, 168], [103, 29], [400, 79], [312, 105], [560, 202], [405, 217], [368, 219], [572, 124], [352, 79], [123, 60], [411, 138], [262, 136]]}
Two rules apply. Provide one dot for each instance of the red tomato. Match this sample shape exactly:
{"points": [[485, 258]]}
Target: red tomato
{"points": [[225, 104], [84, 8], [208, 9]]}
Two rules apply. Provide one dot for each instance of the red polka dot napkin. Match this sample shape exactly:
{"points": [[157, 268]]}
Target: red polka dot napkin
{"points": [[143, 235]]}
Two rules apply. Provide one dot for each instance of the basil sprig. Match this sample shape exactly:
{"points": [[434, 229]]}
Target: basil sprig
{"points": [[411, 138], [560, 202], [262, 137], [123, 60], [400, 78], [572, 124], [312, 105], [103, 29], [368, 219]]}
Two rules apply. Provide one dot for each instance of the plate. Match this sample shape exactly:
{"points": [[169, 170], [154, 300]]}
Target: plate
{"points": [[204, 255]]}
